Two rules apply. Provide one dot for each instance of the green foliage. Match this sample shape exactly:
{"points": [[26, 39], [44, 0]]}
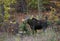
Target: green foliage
{"points": [[7, 4], [23, 26], [46, 2], [34, 3], [49, 22], [6, 16], [58, 22]]}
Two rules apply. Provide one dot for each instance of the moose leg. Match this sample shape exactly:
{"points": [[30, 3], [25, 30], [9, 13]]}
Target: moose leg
{"points": [[33, 30], [44, 28]]}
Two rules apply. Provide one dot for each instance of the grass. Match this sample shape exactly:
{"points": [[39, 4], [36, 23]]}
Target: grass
{"points": [[3, 36], [48, 35]]}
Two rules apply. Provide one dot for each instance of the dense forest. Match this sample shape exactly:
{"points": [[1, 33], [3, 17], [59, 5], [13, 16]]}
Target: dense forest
{"points": [[27, 17]]}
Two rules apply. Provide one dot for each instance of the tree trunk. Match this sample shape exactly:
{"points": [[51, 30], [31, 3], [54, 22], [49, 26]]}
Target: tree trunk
{"points": [[2, 9], [21, 6]]}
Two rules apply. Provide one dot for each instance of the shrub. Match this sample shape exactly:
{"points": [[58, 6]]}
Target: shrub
{"points": [[58, 22], [49, 22]]}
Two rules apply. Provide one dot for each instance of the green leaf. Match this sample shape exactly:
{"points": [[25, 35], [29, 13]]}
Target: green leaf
{"points": [[7, 16]]}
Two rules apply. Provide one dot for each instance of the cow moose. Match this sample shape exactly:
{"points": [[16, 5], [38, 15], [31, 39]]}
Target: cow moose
{"points": [[37, 24]]}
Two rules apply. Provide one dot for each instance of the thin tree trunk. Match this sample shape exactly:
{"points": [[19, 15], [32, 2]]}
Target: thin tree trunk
{"points": [[21, 6], [40, 8], [2, 9]]}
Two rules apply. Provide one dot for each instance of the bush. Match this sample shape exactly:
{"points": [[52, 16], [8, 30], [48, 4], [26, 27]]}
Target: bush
{"points": [[58, 22], [49, 22], [23, 27]]}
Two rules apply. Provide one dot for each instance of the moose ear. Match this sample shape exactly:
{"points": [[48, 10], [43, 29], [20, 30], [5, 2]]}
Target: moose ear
{"points": [[37, 17], [31, 17]]}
